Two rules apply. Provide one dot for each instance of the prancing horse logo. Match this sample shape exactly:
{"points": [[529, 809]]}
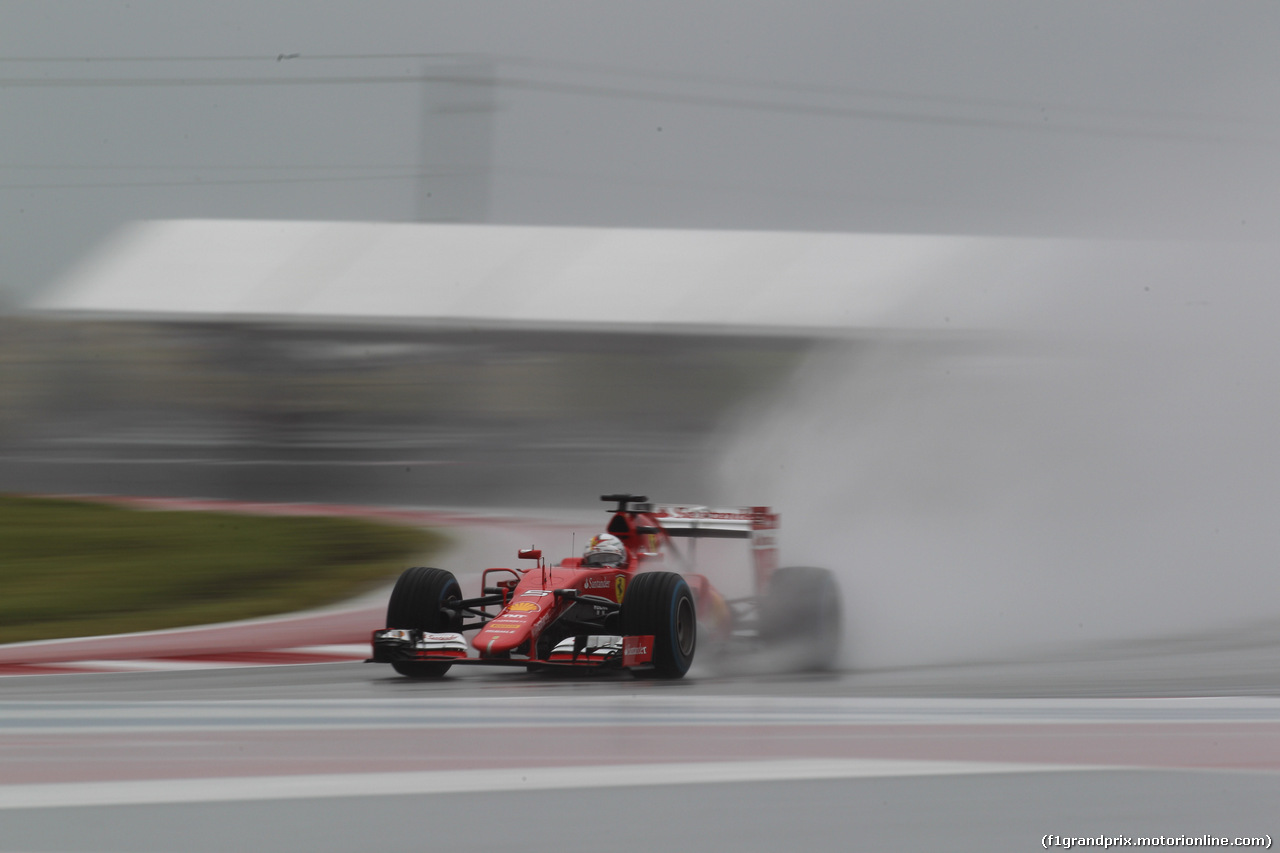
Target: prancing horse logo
{"points": [[619, 587]]}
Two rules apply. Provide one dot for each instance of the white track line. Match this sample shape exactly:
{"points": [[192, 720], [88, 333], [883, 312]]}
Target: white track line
{"points": [[157, 665], [350, 653], [622, 710], [159, 791]]}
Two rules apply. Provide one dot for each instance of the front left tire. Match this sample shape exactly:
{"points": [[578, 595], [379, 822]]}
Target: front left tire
{"points": [[661, 604]]}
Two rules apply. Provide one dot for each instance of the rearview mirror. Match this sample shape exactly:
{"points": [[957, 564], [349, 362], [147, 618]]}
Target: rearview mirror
{"points": [[529, 554]]}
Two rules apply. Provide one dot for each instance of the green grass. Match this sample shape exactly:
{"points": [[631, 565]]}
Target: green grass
{"points": [[70, 568]]}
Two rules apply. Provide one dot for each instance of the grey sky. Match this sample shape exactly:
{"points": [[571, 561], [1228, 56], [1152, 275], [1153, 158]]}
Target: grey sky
{"points": [[1052, 119]]}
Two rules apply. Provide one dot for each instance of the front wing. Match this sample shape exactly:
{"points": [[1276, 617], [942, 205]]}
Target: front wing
{"points": [[597, 652]]}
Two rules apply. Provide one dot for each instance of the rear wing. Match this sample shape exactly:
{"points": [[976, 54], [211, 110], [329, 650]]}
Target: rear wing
{"points": [[724, 523], [759, 524]]}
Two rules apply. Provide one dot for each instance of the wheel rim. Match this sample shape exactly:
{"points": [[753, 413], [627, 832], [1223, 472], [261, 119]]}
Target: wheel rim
{"points": [[452, 595], [686, 627]]}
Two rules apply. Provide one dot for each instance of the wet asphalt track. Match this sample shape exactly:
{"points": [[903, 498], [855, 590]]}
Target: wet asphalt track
{"points": [[1126, 746]]}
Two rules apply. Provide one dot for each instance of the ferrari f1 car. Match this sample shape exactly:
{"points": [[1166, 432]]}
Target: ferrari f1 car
{"points": [[637, 603]]}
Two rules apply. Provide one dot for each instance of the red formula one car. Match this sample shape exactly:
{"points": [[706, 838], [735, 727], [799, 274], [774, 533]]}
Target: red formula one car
{"points": [[634, 601]]}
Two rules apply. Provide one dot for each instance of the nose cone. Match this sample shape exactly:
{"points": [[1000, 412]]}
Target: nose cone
{"points": [[509, 629]]}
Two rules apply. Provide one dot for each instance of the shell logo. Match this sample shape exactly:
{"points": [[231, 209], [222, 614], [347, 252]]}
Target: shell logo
{"points": [[523, 607]]}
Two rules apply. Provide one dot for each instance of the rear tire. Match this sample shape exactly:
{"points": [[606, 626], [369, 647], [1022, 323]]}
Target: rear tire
{"points": [[661, 604], [800, 617], [421, 599]]}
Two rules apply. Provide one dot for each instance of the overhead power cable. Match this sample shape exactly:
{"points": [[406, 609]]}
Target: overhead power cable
{"points": [[958, 119]]}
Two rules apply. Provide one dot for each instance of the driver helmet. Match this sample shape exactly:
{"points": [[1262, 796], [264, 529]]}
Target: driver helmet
{"points": [[604, 550]]}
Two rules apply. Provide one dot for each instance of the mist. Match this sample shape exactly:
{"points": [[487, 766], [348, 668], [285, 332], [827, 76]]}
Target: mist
{"points": [[1045, 447]]}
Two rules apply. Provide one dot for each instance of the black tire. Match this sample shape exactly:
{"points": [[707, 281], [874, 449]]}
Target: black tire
{"points": [[661, 604], [800, 617], [421, 600]]}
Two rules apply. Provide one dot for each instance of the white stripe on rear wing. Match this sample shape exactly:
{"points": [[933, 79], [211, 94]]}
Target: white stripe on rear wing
{"points": [[712, 522]]}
